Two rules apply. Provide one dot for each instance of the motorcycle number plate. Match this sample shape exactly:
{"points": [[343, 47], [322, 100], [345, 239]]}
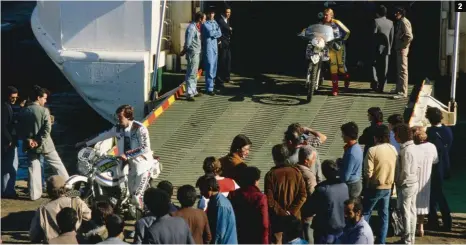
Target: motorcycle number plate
{"points": [[107, 166], [315, 58]]}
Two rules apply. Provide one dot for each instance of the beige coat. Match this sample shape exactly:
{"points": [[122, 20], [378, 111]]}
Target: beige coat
{"points": [[44, 224], [379, 166], [65, 238], [403, 34]]}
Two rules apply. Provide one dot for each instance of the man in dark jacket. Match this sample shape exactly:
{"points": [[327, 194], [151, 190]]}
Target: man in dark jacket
{"points": [[286, 192], [165, 229], [251, 210], [375, 117], [9, 143], [383, 40], [442, 137], [167, 186], [224, 52], [328, 205]]}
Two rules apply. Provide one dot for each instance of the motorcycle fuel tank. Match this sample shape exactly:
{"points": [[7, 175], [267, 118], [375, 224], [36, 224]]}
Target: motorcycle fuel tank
{"points": [[109, 172]]}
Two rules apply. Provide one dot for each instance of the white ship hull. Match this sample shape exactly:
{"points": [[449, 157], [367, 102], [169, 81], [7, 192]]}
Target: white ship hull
{"points": [[105, 49]]}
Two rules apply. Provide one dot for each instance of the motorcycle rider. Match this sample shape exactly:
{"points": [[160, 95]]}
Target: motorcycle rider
{"points": [[134, 148], [337, 50]]}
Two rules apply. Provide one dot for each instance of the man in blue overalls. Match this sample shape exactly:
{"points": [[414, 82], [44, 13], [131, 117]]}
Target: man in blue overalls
{"points": [[210, 32]]}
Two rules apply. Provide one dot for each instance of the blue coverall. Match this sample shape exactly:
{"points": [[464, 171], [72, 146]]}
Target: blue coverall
{"points": [[210, 32]]}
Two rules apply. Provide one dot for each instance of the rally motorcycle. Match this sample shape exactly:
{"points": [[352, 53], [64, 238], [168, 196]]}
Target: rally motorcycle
{"points": [[102, 177], [320, 38]]}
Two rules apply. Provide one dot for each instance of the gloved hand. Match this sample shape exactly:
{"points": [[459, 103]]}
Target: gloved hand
{"points": [[336, 46], [80, 144]]}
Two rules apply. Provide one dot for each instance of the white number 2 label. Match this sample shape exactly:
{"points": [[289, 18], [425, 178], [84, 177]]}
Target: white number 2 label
{"points": [[460, 6]]}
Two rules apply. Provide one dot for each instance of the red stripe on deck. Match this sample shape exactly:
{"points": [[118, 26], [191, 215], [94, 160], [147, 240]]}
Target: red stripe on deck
{"points": [[179, 92], [151, 118], [165, 105]]}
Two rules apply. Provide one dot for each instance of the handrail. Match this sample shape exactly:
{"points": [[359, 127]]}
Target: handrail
{"points": [[157, 55], [455, 59]]}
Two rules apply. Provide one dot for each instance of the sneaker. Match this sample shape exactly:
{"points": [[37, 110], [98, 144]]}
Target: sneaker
{"points": [[198, 95], [190, 98], [211, 93], [399, 96]]}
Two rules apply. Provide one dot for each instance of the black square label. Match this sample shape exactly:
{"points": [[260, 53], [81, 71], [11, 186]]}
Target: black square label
{"points": [[460, 6]]}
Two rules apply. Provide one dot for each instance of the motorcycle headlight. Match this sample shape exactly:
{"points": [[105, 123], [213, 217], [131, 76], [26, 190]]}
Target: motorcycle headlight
{"points": [[85, 157], [86, 154], [84, 167], [318, 42]]}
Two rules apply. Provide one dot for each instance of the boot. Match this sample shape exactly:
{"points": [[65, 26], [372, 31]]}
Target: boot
{"points": [[347, 82], [334, 84]]}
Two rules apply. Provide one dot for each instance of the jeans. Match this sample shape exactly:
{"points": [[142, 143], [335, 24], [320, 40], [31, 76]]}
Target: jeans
{"points": [[371, 198], [35, 171], [355, 189], [308, 232], [191, 73], [9, 169], [322, 237], [407, 204]]}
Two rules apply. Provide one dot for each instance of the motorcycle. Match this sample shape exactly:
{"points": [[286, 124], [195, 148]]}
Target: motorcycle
{"points": [[102, 178], [319, 37]]}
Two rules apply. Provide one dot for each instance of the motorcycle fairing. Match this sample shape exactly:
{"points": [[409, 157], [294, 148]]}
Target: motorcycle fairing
{"points": [[109, 172]]}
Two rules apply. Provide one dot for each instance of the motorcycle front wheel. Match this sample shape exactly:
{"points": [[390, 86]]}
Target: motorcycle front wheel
{"points": [[135, 213], [313, 77], [85, 192]]}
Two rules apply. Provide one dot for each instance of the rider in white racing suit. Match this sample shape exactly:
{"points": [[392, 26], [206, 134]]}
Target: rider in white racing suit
{"points": [[133, 145]]}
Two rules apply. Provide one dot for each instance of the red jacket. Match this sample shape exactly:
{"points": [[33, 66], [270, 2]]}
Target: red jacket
{"points": [[252, 215]]}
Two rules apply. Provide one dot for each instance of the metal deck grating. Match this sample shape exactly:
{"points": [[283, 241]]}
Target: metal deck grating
{"points": [[190, 131]]}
